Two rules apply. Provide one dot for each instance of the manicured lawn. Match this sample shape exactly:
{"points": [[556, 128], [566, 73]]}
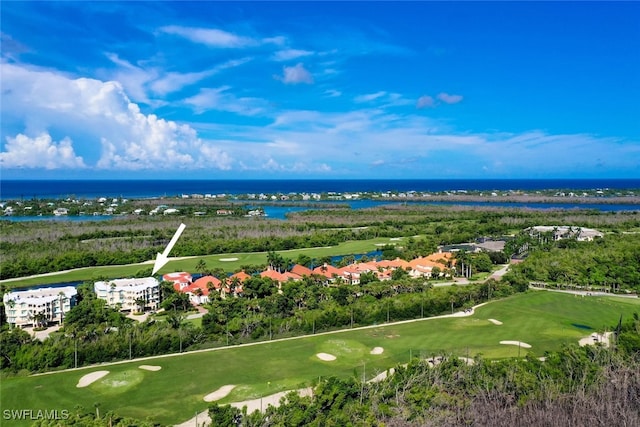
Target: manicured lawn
{"points": [[545, 320], [228, 262]]}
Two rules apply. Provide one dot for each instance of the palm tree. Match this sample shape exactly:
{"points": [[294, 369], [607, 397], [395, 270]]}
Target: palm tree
{"points": [[198, 292], [201, 266], [11, 304], [62, 298], [233, 285], [140, 303]]}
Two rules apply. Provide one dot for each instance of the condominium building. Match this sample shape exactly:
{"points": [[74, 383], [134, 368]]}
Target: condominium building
{"points": [[130, 294], [38, 306]]}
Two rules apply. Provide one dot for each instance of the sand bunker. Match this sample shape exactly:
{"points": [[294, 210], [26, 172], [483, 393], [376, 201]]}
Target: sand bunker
{"points": [[326, 357], [434, 361], [596, 338], [518, 343], [228, 259], [469, 361], [262, 403], [495, 322], [382, 376], [90, 378], [377, 350], [219, 393], [150, 367]]}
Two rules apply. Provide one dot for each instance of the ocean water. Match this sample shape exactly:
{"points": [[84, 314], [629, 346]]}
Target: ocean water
{"points": [[30, 189]]}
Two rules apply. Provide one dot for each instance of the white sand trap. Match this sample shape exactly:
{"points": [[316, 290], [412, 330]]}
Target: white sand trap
{"points": [[382, 376], [395, 238], [90, 378], [469, 361], [150, 367], [377, 350], [596, 338], [518, 343], [228, 259], [495, 322], [262, 403], [219, 393], [326, 357]]}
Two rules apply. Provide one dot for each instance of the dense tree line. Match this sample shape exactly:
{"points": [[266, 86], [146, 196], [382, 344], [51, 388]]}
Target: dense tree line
{"points": [[611, 263], [41, 246]]}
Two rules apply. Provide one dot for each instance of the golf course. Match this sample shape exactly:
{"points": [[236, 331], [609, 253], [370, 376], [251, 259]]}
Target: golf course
{"points": [[171, 389]]}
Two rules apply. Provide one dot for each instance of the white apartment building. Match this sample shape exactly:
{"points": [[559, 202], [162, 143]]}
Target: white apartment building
{"points": [[41, 305], [131, 294]]}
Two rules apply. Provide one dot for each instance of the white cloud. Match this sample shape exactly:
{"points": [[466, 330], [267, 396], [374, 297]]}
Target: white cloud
{"points": [[100, 113], [219, 99], [425, 101], [39, 152], [296, 74], [210, 36], [144, 83], [332, 93], [289, 54], [369, 97], [449, 99]]}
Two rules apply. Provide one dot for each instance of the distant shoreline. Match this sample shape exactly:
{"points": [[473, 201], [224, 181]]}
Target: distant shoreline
{"points": [[145, 189]]}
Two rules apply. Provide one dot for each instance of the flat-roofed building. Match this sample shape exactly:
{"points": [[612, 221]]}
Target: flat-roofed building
{"points": [[41, 305], [130, 294]]}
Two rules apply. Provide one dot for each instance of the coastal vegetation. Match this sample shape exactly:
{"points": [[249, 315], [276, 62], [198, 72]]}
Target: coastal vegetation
{"points": [[38, 247], [509, 376]]}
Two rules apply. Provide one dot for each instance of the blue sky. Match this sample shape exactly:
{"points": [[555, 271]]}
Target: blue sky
{"points": [[232, 90]]}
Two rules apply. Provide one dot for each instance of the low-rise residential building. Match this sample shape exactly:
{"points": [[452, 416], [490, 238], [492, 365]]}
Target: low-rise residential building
{"points": [[39, 306], [559, 232], [130, 294]]}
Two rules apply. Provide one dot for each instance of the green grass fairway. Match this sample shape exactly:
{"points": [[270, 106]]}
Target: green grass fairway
{"points": [[545, 320], [212, 261]]}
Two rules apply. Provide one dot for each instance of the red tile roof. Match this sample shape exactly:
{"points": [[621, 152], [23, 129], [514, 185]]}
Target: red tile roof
{"points": [[205, 280], [301, 270], [241, 275], [327, 270]]}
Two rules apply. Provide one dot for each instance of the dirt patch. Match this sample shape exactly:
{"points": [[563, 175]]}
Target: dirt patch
{"points": [[326, 357], [219, 393], [91, 378], [518, 343], [150, 367], [377, 350], [228, 259], [495, 322]]}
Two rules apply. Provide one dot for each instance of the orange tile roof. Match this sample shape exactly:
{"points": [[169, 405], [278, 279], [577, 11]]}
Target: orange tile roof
{"points": [[241, 275], [327, 271], [301, 270], [396, 263], [273, 275], [204, 280]]}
